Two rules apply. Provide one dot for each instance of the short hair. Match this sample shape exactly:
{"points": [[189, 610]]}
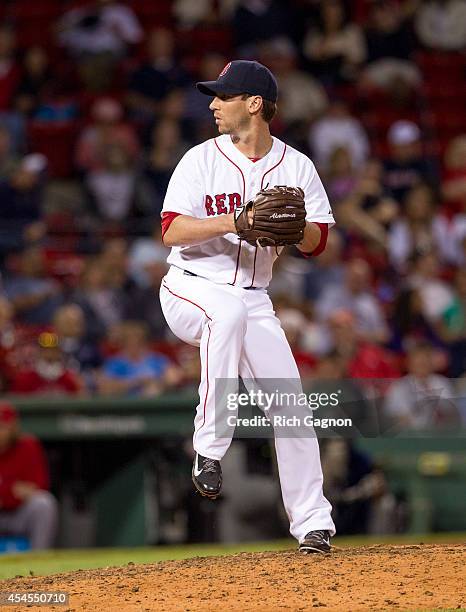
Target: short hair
{"points": [[269, 108]]}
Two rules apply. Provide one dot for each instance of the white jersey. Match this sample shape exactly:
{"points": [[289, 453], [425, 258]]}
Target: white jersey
{"points": [[214, 178]]}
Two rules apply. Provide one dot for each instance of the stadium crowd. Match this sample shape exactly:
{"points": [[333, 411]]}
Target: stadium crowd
{"points": [[98, 106]]}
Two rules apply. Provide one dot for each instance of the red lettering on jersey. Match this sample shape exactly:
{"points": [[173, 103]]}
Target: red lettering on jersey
{"points": [[234, 200], [208, 205], [220, 204]]}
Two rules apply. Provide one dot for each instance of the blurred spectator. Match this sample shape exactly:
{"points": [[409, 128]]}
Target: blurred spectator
{"points": [[336, 47], [150, 84], [326, 270], [203, 12], [452, 325], [197, 115], [106, 131], [356, 295], [357, 490], [406, 165], [302, 98], [289, 276], [49, 376], [114, 262], [167, 148], [34, 295], [191, 14], [148, 265], [174, 105], [136, 370], [338, 128], [368, 210], [390, 45], [102, 304], [97, 35], [454, 178], [330, 376], [114, 256], [80, 352], [435, 293], [294, 325], [419, 229], [313, 339], [409, 323], [422, 399], [113, 187], [441, 24], [21, 202], [257, 20], [7, 341], [18, 344], [340, 178], [363, 360], [8, 160], [188, 359], [36, 81], [9, 69], [27, 508]]}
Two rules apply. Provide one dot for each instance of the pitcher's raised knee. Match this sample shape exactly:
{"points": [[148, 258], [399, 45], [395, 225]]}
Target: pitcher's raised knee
{"points": [[233, 317]]}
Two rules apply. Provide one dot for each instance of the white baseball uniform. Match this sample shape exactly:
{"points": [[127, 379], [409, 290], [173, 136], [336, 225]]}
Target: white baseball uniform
{"points": [[214, 296]]}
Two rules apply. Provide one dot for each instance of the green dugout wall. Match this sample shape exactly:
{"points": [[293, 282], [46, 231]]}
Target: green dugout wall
{"points": [[428, 468]]}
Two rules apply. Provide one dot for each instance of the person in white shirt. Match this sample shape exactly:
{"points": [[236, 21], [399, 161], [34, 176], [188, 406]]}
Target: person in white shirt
{"points": [[422, 399], [336, 129], [442, 24], [97, 36]]}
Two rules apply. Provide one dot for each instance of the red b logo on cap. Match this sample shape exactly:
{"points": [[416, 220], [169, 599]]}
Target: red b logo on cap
{"points": [[225, 70]]}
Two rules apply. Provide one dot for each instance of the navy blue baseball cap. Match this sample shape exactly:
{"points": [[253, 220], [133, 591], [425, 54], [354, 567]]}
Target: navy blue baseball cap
{"points": [[241, 76]]}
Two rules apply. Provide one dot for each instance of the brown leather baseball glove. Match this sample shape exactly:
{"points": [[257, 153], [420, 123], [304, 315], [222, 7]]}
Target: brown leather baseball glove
{"points": [[278, 217]]}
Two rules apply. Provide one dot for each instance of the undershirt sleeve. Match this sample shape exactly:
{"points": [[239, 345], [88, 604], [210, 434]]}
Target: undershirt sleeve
{"points": [[320, 248], [167, 218]]}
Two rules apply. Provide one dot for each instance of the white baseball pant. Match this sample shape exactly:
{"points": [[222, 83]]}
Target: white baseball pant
{"points": [[239, 335]]}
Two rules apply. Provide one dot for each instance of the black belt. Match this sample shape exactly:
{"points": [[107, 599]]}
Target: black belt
{"points": [[188, 273]]}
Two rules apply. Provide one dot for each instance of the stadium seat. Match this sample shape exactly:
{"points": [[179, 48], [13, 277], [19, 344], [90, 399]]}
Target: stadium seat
{"points": [[152, 14], [56, 141], [35, 32], [203, 40]]}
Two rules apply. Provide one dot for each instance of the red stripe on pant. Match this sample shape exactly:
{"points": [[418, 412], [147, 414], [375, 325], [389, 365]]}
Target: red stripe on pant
{"points": [[207, 349]]}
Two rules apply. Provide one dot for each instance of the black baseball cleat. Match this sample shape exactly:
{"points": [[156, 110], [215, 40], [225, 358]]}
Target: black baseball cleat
{"points": [[316, 542], [207, 476]]}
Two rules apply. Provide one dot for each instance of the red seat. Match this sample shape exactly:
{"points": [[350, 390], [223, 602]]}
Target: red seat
{"points": [[35, 32], [153, 13], [381, 121], [56, 141], [452, 120], [437, 65], [39, 9], [202, 40]]}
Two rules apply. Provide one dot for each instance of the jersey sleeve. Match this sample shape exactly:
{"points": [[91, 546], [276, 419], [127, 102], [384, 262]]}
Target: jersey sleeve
{"points": [[318, 207], [185, 190]]}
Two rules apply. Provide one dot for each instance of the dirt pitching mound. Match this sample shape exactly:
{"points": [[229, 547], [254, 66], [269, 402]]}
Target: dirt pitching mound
{"points": [[420, 577]]}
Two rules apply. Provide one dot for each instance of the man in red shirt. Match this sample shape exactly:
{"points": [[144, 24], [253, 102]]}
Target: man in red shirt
{"points": [[369, 362], [49, 376], [26, 506]]}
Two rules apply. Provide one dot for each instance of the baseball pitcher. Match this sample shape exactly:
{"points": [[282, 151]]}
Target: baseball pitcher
{"points": [[232, 204]]}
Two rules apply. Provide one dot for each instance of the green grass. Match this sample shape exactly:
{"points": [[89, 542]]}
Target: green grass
{"points": [[52, 562]]}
